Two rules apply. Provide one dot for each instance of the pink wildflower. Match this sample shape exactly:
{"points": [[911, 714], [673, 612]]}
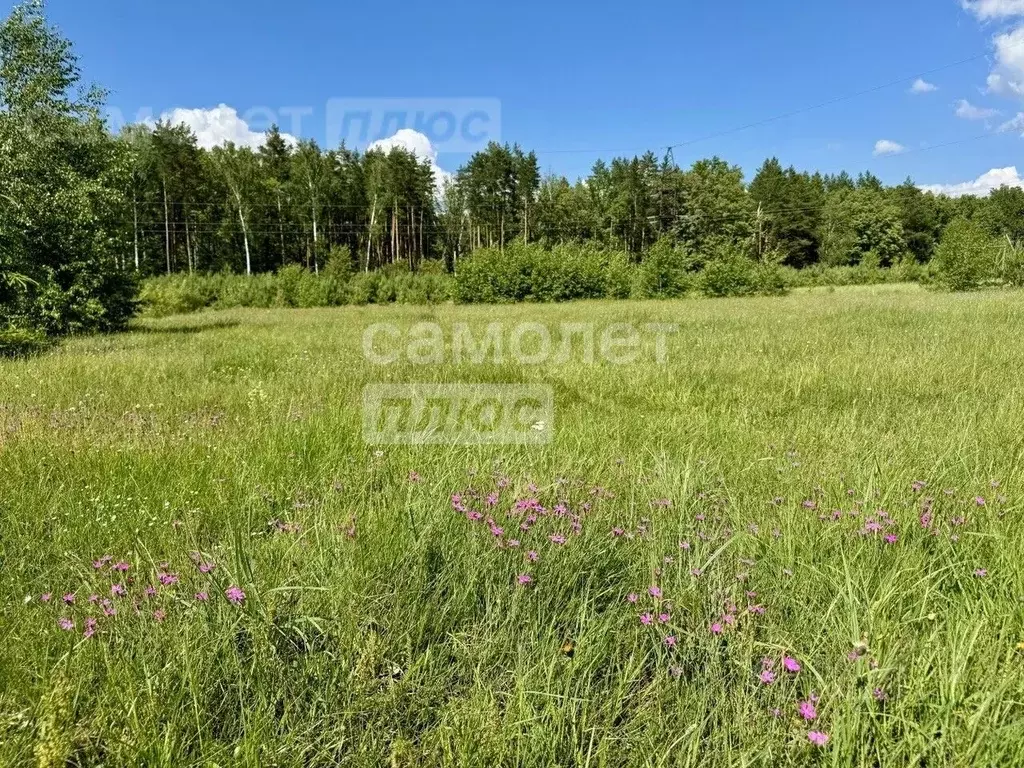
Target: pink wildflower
{"points": [[791, 664], [532, 556], [646, 619], [767, 676], [235, 595], [202, 597], [524, 579], [654, 591], [65, 623], [807, 710], [632, 597], [817, 738], [716, 629], [670, 641]]}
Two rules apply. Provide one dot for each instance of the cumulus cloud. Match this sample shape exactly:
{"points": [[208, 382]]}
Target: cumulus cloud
{"points": [[419, 145], [923, 86], [967, 111], [981, 186], [1007, 77], [217, 126], [886, 147], [994, 9]]}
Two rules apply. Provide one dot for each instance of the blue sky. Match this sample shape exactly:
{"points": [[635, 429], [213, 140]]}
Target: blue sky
{"points": [[576, 80]]}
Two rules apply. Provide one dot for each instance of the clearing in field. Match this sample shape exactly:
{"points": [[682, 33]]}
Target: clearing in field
{"points": [[795, 540]]}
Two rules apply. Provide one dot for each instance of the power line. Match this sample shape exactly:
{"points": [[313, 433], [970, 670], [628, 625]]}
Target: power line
{"points": [[785, 115]]}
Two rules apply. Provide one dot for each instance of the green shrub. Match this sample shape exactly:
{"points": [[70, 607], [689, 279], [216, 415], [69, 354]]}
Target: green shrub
{"points": [[619, 275], [247, 291], [491, 275], [566, 272], [1011, 263], [179, 294], [730, 272], [340, 266], [288, 281], [664, 272], [362, 288], [965, 257], [18, 342]]}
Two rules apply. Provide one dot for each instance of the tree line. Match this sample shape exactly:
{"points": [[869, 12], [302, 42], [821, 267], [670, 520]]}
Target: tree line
{"points": [[243, 210]]}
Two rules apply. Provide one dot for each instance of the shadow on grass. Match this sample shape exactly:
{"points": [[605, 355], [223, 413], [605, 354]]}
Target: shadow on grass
{"points": [[190, 328]]}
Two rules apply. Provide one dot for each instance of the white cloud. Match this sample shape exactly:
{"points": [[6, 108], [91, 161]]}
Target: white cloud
{"points": [[923, 86], [419, 145], [214, 127], [1014, 124], [981, 186], [994, 9], [967, 111], [1007, 79], [886, 147]]}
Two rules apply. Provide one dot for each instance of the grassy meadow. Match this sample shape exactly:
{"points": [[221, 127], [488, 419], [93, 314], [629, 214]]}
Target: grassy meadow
{"points": [[798, 542]]}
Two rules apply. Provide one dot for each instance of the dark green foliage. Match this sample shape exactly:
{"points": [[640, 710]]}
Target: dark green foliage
{"points": [[789, 205], [61, 187]]}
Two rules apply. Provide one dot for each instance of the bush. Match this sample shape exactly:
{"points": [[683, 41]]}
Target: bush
{"points": [[18, 342], [1011, 263], [965, 257], [362, 288], [491, 275], [288, 281], [340, 266], [728, 272], [664, 272], [566, 272], [620, 276], [178, 294]]}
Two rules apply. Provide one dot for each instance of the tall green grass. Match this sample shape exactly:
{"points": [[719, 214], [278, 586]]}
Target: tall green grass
{"points": [[381, 627]]}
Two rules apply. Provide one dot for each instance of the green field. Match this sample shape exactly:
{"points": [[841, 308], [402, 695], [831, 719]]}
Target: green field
{"points": [[763, 480]]}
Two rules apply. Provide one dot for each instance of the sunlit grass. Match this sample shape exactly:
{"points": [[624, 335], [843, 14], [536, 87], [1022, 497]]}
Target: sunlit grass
{"points": [[381, 626]]}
